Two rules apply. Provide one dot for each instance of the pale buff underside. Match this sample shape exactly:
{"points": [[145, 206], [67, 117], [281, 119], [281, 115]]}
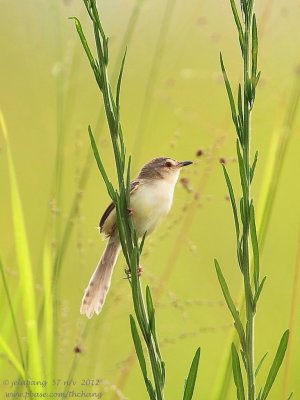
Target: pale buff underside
{"points": [[150, 203]]}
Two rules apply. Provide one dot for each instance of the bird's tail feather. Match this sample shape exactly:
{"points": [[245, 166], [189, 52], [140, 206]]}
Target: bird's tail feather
{"points": [[96, 291]]}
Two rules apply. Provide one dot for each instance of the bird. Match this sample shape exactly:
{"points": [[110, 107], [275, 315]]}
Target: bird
{"points": [[151, 197]]}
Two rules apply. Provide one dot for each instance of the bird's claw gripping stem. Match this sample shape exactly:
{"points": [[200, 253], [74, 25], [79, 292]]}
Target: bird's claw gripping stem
{"points": [[128, 272]]}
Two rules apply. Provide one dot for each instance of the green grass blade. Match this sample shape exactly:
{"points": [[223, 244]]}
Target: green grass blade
{"points": [[25, 267], [12, 358], [150, 309], [12, 313], [48, 311], [230, 304], [191, 379], [253, 166], [238, 23], [142, 242], [119, 83], [138, 347], [241, 113], [151, 318], [229, 93], [254, 50], [84, 43], [243, 175], [101, 168], [258, 293], [233, 202], [128, 180], [260, 364], [276, 364], [237, 373], [255, 248], [151, 390]]}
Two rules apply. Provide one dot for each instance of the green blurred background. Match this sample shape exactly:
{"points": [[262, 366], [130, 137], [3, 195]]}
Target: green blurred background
{"points": [[173, 104]]}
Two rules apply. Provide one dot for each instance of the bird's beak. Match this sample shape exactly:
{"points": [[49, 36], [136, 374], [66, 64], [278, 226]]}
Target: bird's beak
{"points": [[184, 163]]}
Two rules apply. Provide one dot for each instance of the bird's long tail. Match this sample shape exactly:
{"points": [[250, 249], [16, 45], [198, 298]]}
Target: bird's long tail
{"points": [[96, 291]]}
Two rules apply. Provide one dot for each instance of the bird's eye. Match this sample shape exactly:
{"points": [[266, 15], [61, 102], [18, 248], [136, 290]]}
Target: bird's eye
{"points": [[168, 164]]}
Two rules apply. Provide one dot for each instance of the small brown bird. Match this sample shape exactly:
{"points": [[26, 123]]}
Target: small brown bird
{"points": [[151, 197]]}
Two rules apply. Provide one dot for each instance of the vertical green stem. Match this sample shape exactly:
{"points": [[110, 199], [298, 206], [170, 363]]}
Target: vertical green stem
{"points": [[247, 241], [246, 224]]}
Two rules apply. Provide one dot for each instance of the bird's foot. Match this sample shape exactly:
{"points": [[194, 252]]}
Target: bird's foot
{"points": [[128, 272], [129, 211]]}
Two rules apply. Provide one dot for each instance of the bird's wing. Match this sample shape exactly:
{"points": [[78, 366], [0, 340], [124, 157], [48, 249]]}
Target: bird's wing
{"points": [[133, 187]]}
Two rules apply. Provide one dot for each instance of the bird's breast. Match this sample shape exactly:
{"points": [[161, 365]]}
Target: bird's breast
{"points": [[150, 203]]}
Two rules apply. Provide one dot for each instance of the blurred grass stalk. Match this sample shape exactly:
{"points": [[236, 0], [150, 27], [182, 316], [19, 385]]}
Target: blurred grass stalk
{"points": [[3, 345], [143, 120], [244, 216], [145, 314], [48, 313], [33, 365], [292, 324], [269, 187]]}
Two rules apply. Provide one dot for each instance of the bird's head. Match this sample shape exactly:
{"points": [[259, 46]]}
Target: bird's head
{"points": [[163, 168]]}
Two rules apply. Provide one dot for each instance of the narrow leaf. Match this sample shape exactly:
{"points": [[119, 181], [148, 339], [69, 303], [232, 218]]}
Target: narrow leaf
{"points": [[229, 91], [242, 170], [150, 390], [238, 23], [252, 169], [101, 168], [128, 181], [119, 82], [259, 394], [163, 373], [276, 364], [4, 347], [84, 42], [233, 203], [142, 242], [96, 18], [137, 295], [230, 304], [260, 364], [257, 78], [150, 308], [255, 249], [240, 104], [12, 313], [48, 311], [105, 50], [138, 347], [254, 48], [191, 379], [258, 293], [237, 373]]}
